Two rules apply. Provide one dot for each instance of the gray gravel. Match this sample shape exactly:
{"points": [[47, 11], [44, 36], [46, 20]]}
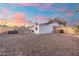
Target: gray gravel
{"points": [[30, 44]]}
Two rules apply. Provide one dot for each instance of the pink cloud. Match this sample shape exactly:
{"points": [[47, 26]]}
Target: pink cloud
{"points": [[19, 17], [69, 13], [5, 11], [62, 9], [41, 18]]}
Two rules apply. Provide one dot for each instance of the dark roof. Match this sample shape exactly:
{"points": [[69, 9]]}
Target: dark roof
{"points": [[42, 24], [46, 23]]}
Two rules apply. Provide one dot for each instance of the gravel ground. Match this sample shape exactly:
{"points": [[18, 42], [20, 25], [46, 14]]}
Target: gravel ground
{"points": [[30, 44]]}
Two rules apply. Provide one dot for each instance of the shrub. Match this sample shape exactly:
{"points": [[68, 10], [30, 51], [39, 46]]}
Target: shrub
{"points": [[76, 28]]}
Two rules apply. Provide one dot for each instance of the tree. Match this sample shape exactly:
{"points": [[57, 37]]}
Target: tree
{"points": [[50, 20], [76, 27], [56, 19], [60, 21]]}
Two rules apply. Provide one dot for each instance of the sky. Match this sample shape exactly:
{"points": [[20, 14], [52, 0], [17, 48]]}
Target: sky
{"points": [[39, 12]]}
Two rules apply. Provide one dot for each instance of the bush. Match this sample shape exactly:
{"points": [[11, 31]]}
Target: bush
{"points": [[76, 28]]}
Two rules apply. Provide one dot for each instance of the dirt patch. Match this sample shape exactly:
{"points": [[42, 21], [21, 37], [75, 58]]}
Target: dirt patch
{"points": [[30, 44]]}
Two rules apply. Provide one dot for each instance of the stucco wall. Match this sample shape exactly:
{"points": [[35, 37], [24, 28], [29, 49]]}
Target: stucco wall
{"points": [[45, 29], [36, 31]]}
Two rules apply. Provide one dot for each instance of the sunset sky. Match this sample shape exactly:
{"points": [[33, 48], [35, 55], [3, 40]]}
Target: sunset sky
{"points": [[35, 12]]}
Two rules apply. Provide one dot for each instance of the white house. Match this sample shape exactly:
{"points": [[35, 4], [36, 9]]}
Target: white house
{"points": [[43, 28]]}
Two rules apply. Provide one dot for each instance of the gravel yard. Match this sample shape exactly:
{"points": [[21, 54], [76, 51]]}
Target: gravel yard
{"points": [[30, 44]]}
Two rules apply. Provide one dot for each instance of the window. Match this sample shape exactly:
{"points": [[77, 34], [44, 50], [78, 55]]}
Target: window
{"points": [[36, 28]]}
